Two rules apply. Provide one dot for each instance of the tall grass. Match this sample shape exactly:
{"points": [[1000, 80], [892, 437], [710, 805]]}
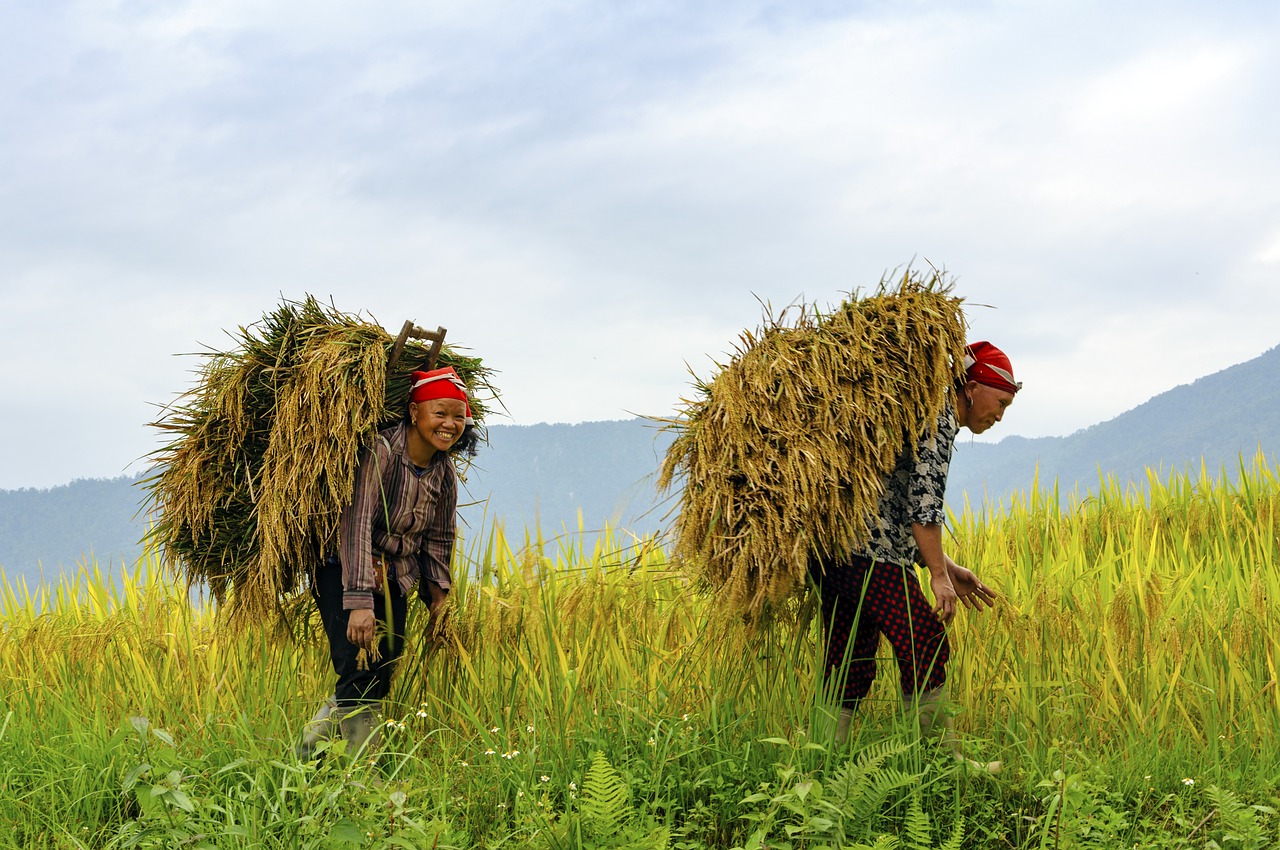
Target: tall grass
{"points": [[1127, 678], [1131, 616]]}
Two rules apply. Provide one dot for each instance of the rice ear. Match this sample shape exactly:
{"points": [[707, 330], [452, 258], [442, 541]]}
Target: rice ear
{"points": [[782, 456], [263, 449]]}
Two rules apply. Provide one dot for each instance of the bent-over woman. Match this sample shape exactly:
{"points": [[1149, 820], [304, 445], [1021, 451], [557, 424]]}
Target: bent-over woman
{"points": [[875, 591]]}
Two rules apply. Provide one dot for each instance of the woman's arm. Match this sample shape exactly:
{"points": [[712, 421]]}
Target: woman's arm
{"points": [[436, 551], [355, 527], [927, 494], [928, 537]]}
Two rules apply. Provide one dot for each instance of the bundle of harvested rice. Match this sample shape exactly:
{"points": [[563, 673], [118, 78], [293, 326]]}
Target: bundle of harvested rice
{"points": [[783, 455], [264, 448]]}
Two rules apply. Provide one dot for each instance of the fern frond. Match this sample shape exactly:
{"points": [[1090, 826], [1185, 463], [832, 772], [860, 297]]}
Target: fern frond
{"points": [[919, 830], [884, 842], [956, 841], [859, 788], [871, 759], [605, 799], [1236, 817]]}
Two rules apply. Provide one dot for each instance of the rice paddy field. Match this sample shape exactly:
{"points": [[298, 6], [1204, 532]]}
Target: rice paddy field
{"points": [[577, 699]]}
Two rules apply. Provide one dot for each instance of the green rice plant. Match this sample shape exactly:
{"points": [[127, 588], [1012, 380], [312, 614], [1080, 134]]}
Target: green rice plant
{"points": [[1132, 648], [1154, 612]]}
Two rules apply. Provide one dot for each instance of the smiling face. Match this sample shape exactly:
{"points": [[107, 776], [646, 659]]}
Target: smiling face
{"points": [[435, 425], [986, 406]]}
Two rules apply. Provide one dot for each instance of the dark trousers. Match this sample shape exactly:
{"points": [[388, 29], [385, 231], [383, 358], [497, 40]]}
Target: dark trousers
{"points": [[357, 687], [864, 600]]}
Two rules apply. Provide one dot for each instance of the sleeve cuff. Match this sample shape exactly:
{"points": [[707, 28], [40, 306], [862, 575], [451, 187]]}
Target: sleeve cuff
{"points": [[355, 599]]}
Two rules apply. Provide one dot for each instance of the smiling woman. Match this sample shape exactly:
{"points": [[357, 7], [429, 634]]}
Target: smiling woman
{"points": [[265, 450], [397, 532]]}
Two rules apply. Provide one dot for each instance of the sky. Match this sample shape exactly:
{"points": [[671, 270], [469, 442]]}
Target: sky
{"points": [[598, 198]]}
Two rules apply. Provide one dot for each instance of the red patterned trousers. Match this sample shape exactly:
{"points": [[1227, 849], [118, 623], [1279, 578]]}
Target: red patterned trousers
{"points": [[865, 600]]}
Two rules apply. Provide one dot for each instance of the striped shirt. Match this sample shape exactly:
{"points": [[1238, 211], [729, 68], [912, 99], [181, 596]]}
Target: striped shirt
{"points": [[913, 493], [401, 514]]}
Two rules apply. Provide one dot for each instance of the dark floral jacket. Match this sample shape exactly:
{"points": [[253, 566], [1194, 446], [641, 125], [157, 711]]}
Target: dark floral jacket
{"points": [[914, 492]]}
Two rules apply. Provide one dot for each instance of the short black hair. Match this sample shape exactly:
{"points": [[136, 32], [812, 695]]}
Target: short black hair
{"points": [[468, 443]]}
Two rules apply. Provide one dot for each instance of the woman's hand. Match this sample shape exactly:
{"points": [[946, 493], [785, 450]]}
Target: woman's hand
{"points": [[928, 537], [438, 597], [971, 592], [360, 628], [944, 595]]}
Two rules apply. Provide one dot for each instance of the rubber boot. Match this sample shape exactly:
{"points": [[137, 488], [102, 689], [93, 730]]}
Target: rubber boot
{"points": [[831, 723], [319, 728], [934, 719], [842, 725], [361, 728]]}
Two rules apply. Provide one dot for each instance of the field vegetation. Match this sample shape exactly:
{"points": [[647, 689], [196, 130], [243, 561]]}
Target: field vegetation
{"points": [[576, 699]]}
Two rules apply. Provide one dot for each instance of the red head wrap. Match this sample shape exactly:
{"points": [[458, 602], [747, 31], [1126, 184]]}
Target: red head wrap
{"points": [[986, 364], [439, 383]]}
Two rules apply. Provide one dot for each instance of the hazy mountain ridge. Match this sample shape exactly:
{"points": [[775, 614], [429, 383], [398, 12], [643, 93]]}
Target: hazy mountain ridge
{"points": [[95, 518], [545, 473], [1215, 419]]}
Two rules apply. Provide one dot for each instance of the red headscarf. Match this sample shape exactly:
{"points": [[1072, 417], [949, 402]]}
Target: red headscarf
{"points": [[986, 364], [439, 383]]}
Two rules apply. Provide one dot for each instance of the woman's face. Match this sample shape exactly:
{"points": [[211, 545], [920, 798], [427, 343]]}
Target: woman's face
{"points": [[439, 421], [986, 406]]}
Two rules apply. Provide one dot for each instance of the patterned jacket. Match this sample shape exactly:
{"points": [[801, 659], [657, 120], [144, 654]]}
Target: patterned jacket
{"points": [[914, 493], [400, 513]]}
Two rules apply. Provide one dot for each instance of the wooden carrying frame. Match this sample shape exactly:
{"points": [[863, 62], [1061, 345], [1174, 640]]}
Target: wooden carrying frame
{"points": [[412, 331]]}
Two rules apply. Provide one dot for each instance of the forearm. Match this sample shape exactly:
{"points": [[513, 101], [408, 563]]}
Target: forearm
{"points": [[928, 537], [436, 553]]}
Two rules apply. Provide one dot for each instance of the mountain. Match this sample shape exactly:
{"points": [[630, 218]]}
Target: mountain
{"points": [[544, 475], [1216, 419], [47, 532], [527, 476]]}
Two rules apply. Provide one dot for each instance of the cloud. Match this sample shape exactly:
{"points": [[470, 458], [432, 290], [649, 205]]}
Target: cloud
{"points": [[597, 197]]}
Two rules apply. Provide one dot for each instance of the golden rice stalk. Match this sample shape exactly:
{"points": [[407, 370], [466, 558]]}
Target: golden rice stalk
{"points": [[783, 455], [264, 448]]}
